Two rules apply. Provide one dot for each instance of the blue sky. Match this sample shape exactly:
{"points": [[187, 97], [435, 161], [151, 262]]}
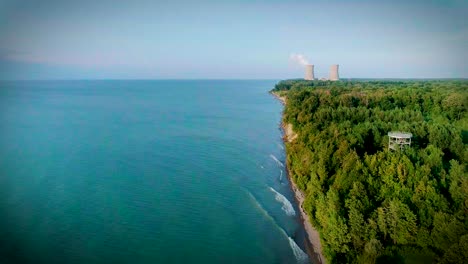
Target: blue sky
{"points": [[53, 39]]}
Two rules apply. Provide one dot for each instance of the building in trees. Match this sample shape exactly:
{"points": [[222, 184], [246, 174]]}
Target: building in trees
{"points": [[399, 140]]}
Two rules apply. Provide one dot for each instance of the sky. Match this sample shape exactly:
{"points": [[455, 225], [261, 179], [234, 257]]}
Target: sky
{"points": [[116, 39]]}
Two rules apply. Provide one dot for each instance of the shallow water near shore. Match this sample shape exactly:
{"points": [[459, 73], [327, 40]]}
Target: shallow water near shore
{"points": [[145, 172]]}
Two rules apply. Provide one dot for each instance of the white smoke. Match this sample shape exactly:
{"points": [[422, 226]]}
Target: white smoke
{"points": [[299, 58]]}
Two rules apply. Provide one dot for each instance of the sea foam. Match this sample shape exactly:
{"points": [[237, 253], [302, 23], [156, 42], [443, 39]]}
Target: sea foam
{"points": [[277, 161], [299, 254], [286, 204], [263, 210], [280, 146]]}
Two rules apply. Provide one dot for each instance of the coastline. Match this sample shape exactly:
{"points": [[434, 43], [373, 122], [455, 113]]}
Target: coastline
{"points": [[315, 252]]}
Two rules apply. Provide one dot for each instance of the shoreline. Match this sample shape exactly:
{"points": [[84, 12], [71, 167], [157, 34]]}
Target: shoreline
{"points": [[314, 246]]}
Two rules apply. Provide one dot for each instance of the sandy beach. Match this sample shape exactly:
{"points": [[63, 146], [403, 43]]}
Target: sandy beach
{"points": [[315, 252]]}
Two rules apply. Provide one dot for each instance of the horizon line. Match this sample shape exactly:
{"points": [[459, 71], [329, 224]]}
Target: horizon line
{"points": [[235, 79]]}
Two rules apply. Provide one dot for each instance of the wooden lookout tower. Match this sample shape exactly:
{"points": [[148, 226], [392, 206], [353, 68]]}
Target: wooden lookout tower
{"points": [[399, 140]]}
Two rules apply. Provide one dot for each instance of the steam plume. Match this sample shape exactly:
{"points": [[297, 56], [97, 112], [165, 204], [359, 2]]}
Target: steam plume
{"points": [[299, 58]]}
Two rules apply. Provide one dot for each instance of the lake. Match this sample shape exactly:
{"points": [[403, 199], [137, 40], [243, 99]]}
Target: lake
{"points": [[165, 171]]}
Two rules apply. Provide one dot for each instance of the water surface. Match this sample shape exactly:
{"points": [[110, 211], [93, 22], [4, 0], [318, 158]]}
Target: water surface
{"points": [[144, 172]]}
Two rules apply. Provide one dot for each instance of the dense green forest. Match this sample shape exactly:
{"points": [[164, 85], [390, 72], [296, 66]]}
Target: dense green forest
{"points": [[371, 204]]}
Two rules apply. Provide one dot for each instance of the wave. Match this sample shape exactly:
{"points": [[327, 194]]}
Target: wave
{"points": [[287, 206], [280, 146], [281, 176], [277, 161], [299, 254], [263, 210]]}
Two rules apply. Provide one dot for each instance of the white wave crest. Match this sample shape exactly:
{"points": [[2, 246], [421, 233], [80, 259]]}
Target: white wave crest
{"points": [[300, 255], [263, 210], [277, 161], [280, 146], [286, 204]]}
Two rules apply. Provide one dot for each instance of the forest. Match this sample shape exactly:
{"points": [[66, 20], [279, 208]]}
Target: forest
{"points": [[371, 204]]}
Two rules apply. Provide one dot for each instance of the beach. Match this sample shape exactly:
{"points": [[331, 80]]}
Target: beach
{"points": [[315, 252]]}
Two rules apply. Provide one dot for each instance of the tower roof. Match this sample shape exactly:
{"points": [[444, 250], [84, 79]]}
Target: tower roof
{"points": [[399, 134]]}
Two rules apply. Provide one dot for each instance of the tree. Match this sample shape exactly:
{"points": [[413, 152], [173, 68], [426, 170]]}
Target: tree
{"points": [[371, 204], [396, 220]]}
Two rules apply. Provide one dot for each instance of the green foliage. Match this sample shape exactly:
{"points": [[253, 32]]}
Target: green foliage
{"points": [[370, 204]]}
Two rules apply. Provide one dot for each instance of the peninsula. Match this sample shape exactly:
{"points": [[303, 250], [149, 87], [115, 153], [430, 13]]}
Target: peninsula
{"points": [[363, 202]]}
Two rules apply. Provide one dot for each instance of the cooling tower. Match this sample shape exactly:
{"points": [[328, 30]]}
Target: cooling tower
{"points": [[309, 72], [334, 73]]}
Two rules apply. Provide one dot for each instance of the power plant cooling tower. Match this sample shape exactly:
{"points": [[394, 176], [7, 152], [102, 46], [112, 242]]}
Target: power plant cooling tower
{"points": [[334, 73], [309, 72]]}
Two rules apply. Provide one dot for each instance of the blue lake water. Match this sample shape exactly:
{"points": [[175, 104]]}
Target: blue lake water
{"points": [[144, 172]]}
